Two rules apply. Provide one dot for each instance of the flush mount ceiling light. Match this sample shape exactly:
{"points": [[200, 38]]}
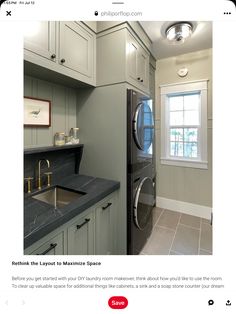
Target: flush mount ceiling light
{"points": [[179, 32]]}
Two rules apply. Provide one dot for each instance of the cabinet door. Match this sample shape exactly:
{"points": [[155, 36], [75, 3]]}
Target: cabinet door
{"points": [[132, 58], [76, 48], [152, 83], [40, 38], [53, 246], [137, 64], [143, 67], [105, 228], [80, 236]]}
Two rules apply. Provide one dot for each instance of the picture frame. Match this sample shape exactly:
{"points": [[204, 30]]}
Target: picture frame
{"points": [[37, 112]]}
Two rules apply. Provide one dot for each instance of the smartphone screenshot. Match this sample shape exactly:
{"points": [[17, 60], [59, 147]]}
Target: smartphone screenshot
{"points": [[117, 186]]}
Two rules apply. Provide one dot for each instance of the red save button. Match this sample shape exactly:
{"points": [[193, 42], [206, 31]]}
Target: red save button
{"points": [[118, 302]]}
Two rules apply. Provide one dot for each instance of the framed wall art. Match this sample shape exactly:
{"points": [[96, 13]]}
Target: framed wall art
{"points": [[37, 112]]}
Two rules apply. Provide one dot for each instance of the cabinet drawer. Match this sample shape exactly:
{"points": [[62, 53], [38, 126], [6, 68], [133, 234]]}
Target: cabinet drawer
{"points": [[53, 246]]}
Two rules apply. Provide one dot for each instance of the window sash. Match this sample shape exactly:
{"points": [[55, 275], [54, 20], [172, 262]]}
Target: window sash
{"points": [[183, 141], [183, 109]]}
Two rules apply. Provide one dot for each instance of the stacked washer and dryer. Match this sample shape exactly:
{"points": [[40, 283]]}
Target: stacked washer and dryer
{"points": [[141, 175]]}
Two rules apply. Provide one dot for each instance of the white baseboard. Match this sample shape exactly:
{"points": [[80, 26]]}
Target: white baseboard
{"points": [[185, 208]]}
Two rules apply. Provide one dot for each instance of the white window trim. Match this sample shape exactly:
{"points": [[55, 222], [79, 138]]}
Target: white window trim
{"points": [[193, 86]]}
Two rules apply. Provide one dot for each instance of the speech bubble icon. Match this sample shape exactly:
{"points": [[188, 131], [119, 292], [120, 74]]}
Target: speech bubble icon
{"points": [[210, 302]]}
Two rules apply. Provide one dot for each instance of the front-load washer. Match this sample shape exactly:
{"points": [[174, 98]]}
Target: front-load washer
{"points": [[140, 203]]}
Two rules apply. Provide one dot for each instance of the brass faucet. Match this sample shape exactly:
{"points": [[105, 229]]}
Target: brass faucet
{"points": [[39, 171]]}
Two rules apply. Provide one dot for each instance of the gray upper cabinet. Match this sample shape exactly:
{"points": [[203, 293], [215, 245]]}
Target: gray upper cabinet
{"points": [[152, 82], [76, 47], [68, 48], [137, 64], [43, 41], [122, 57]]}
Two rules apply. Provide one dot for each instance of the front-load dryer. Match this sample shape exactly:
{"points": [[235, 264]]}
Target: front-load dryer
{"points": [[140, 131]]}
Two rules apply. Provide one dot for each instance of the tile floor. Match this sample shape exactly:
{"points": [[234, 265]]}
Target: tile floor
{"points": [[178, 234]]}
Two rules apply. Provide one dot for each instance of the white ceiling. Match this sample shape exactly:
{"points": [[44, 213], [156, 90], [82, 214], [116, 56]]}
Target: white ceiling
{"points": [[200, 39]]}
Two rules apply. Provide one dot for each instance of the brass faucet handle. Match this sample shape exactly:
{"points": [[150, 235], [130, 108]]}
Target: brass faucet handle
{"points": [[48, 174], [29, 185]]}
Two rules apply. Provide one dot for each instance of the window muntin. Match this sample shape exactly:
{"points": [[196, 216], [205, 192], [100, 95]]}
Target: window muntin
{"points": [[184, 122]]}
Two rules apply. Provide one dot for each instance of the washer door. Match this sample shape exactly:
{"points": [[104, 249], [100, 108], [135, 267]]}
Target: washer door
{"points": [[143, 203], [143, 126]]}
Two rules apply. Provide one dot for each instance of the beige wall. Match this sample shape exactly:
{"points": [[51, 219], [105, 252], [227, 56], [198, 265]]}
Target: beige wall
{"points": [[178, 183]]}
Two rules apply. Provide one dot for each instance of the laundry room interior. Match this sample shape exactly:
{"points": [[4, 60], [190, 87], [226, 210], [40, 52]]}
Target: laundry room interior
{"points": [[118, 138]]}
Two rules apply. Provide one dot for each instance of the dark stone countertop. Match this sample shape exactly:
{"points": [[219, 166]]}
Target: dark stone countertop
{"points": [[41, 218]]}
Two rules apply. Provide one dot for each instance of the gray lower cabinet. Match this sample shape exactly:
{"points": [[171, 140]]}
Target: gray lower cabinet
{"points": [[80, 236], [91, 232], [105, 226], [51, 246]]}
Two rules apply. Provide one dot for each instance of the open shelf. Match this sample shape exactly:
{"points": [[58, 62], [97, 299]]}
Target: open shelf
{"points": [[37, 150]]}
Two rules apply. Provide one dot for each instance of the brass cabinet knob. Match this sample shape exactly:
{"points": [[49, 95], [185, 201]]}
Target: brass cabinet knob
{"points": [[29, 185]]}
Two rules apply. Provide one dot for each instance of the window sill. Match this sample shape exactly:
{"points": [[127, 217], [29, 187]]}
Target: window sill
{"points": [[185, 163]]}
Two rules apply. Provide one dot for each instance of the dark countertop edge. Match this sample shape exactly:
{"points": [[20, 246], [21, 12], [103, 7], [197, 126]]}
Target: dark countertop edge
{"points": [[35, 150], [45, 230]]}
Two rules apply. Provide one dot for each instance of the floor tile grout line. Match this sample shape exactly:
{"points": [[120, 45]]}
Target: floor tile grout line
{"points": [[177, 253], [206, 250], [190, 226], [146, 244], [174, 234], [205, 223], [158, 226], [164, 227], [158, 218]]}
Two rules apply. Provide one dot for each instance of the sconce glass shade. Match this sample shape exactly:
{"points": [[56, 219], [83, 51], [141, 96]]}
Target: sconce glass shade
{"points": [[179, 32]]}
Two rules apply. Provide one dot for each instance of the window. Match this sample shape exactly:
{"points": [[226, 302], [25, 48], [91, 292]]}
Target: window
{"points": [[184, 124]]}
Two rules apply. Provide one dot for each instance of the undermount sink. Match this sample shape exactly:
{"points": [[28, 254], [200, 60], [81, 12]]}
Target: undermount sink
{"points": [[58, 196]]}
